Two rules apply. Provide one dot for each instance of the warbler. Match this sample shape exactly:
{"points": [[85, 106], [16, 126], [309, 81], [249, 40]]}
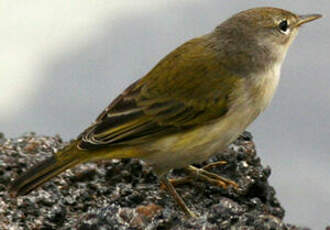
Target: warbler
{"points": [[194, 103]]}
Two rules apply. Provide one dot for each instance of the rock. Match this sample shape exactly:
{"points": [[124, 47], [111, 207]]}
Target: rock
{"points": [[125, 194]]}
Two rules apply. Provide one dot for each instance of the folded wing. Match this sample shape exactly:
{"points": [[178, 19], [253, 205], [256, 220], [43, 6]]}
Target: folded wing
{"points": [[188, 87]]}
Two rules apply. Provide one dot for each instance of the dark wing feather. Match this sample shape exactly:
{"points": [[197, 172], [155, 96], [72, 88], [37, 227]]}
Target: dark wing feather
{"points": [[123, 124]]}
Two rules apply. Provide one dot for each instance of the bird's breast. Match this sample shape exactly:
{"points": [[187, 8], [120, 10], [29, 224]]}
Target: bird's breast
{"points": [[264, 86]]}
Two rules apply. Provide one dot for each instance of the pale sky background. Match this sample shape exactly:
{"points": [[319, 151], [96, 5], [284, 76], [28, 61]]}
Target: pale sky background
{"points": [[63, 61]]}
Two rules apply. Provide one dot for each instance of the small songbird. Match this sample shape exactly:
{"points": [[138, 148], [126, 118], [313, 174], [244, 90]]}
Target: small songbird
{"points": [[194, 103]]}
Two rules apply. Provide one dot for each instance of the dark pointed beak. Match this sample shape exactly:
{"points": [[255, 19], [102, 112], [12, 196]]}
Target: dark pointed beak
{"points": [[302, 19]]}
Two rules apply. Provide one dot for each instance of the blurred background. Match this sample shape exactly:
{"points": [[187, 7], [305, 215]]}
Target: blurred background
{"points": [[63, 61]]}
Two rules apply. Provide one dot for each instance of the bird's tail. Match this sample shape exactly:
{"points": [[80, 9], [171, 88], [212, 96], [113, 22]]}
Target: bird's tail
{"points": [[47, 169]]}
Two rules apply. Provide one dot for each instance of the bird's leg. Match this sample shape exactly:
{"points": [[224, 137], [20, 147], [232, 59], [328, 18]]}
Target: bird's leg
{"points": [[176, 196], [212, 178]]}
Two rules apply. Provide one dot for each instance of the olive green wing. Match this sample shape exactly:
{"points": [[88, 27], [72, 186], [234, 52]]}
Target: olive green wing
{"points": [[188, 87]]}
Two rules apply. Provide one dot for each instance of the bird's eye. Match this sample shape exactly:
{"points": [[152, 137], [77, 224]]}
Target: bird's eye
{"points": [[283, 26]]}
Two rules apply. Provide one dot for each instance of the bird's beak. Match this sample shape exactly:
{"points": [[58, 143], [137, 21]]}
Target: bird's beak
{"points": [[302, 19]]}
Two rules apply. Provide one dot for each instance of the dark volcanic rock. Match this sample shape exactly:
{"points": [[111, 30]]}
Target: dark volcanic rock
{"points": [[125, 194]]}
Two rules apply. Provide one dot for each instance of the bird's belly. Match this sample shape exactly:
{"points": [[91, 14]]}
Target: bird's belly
{"points": [[196, 145]]}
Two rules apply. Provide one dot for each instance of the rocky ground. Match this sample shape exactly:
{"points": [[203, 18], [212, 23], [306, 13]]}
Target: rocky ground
{"points": [[125, 194]]}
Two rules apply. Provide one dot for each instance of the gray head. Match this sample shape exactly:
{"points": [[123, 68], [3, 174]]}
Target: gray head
{"points": [[258, 37]]}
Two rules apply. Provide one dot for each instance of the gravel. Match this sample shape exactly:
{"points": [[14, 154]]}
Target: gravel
{"points": [[125, 194]]}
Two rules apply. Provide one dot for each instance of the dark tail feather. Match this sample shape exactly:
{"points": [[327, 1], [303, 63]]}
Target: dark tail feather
{"points": [[43, 172]]}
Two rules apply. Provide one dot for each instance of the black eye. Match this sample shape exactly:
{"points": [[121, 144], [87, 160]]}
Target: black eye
{"points": [[283, 26]]}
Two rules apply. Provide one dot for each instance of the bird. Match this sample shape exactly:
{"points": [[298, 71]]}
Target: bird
{"points": [[195, 102]]}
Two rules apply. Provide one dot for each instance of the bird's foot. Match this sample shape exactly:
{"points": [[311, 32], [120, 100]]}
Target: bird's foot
{"points": [[203, 174], [212, 178], [199, 173]]}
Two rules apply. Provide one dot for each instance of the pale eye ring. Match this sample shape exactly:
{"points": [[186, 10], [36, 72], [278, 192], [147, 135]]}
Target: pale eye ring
{"points": [[284, 26]]}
